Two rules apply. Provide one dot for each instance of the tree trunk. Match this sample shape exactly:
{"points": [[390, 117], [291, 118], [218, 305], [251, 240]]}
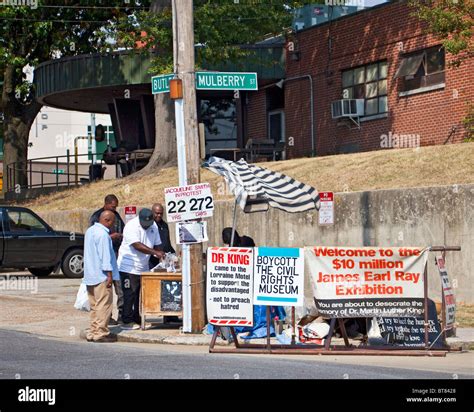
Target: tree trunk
{"points": [[18, 119], [165, 153]]}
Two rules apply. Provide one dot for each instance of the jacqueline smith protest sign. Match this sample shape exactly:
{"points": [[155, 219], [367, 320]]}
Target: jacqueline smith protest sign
{"points": [[366, 282], [229, 286], [278, 276]]}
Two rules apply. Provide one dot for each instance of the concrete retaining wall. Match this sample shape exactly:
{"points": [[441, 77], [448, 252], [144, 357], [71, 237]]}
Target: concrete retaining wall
{"points": [[404, 217]]}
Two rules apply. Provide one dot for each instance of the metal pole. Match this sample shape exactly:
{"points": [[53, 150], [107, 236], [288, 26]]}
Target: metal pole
{"points": [[31, 174], [68, 163], [57, 172], [93, 142], [183, 181], [425, 305], [234, 220], [76, 161]]}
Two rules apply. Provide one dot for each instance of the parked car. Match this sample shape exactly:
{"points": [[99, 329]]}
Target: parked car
{"points": [[27, 241]]}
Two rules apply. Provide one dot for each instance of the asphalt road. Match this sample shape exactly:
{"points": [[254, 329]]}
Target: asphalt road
{"points": [[27, 356]]}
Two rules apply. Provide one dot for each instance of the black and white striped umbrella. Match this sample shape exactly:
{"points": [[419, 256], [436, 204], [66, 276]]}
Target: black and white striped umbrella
{"points": [[255, 188]]}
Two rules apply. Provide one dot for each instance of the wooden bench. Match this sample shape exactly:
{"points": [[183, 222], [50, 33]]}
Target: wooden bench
{"points": [[266, 148]]}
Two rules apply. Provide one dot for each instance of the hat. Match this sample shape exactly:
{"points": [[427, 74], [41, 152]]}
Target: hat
{"points": [[146, 218]]}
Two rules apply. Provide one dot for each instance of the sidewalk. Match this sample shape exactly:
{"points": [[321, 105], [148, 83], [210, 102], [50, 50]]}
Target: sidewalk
{"points": [[172, 334]]}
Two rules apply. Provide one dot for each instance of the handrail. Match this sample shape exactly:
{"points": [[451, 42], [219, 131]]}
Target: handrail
{"points": [[27, 167]]}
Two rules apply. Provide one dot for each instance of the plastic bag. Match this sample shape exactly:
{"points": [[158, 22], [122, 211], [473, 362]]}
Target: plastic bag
{"points": [[168, 263], [82, 299]]}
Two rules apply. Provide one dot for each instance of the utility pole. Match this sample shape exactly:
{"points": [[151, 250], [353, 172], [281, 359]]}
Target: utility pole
{"points": [[188, 147]]}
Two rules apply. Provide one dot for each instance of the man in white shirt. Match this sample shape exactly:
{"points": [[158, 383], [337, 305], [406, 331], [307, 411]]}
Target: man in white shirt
{"points": [[141, 240]]}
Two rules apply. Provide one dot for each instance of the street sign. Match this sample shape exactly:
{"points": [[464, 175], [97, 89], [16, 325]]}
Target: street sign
{"points": [[326, 208], [210, 81], [226, 81], [189, 202], [130, 213], [161, 83]]}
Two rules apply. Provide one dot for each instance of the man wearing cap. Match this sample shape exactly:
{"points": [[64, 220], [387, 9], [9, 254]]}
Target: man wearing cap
{"points": [[141, 240]]}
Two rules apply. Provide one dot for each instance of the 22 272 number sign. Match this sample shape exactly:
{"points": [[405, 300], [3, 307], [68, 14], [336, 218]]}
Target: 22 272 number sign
{"points": [[189, 202]]}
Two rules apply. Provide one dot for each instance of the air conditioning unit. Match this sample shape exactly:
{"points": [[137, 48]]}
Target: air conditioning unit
{"points": [[347, 108]]}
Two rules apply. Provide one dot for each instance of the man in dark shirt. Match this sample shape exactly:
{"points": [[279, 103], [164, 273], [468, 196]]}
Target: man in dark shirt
{"points": [[166, 246], [111, 203]]}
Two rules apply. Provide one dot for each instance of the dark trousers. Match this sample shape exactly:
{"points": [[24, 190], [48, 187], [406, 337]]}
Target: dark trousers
{"points": [[131, 297]]}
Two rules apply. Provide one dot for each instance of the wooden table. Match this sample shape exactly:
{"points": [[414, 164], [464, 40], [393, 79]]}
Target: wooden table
{"points": [[160, 295]]}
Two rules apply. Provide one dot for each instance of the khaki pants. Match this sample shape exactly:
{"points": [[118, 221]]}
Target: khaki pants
{"points": [[100, 299]]}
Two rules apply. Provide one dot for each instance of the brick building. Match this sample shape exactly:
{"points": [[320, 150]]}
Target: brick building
{"points": [[411, 96]]}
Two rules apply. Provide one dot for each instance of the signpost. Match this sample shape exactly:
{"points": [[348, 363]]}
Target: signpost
{"points": [[326, 209], [189, 202], [210, 81], [130, 213]]}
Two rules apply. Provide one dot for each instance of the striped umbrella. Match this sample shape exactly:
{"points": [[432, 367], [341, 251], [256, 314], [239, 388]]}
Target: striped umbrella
{"points": [[256, 188]]}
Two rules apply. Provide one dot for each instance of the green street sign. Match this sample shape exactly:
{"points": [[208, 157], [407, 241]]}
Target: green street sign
{"points": [[161, 83], [210, 81], [226, 81]]}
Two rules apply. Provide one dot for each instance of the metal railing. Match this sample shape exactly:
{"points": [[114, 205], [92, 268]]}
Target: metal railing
{"points": [[130, 161]]}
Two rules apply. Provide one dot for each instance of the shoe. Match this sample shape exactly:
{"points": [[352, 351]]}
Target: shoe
{"points": [[130, 326], [107, 339], [148, 325], [113, 322]]}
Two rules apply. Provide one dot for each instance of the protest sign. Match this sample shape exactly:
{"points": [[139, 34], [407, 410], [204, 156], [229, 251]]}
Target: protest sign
{"points": [[448, 293], [229, 286], [410, 331], [189, 202], [191, 232], [278, 276], [367, 281]]}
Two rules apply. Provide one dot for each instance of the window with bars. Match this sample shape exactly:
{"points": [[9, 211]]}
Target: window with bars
{"points": [[367, 82]]}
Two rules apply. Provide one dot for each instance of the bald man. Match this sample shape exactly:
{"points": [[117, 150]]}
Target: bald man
{"points": [[100, 270]]}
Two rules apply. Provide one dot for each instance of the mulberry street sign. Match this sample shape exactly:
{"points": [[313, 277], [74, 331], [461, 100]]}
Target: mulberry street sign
{"points": [[210, 81], [226, 81]]}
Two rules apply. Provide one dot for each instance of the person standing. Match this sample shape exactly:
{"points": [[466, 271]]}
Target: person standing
{"points": [[111, 203], [100, 270], [141, 240]]}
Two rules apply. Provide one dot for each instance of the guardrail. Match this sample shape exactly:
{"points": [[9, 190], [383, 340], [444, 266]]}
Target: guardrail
{"points": [[125, 163]]}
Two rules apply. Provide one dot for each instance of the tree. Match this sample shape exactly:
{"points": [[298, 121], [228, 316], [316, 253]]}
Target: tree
{"points": [[221, 29], [451, 21], [31, 35]]}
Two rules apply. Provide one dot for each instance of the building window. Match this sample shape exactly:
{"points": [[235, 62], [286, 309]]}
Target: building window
{"points": [[422, 69], [368, 82]]}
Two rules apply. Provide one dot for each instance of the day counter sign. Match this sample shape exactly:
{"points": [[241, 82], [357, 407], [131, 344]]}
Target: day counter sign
{"points": [[189, 202]]}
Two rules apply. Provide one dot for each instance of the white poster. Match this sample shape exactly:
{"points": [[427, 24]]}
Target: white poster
{"points": [[229, 286], [278, 276], [191, 232], [367, 281], [326, 208], [448, 293], [189, 202]]}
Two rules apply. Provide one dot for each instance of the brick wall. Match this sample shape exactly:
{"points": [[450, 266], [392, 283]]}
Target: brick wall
{"points": [[383, 33]]}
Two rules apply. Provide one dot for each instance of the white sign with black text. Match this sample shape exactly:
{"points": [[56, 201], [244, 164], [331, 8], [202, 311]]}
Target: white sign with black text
{"points": [[326, 208], [189, 202]]}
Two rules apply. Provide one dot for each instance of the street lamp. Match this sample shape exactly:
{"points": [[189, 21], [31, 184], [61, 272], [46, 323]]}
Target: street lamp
{"points": [[305, 76]]}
